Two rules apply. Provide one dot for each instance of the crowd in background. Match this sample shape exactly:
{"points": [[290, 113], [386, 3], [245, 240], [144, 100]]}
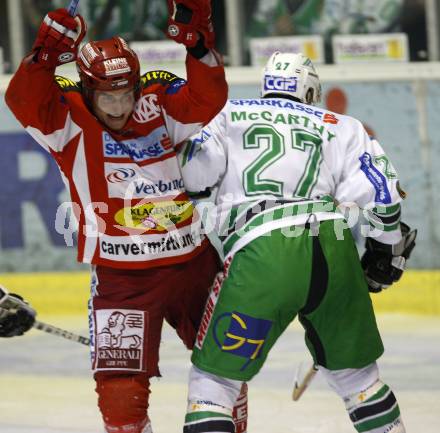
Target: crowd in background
{"points": [[141, 20]]}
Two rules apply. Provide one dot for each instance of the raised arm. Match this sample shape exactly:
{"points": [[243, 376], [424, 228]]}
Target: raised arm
{"points": [[206, 90], [33, 95]]}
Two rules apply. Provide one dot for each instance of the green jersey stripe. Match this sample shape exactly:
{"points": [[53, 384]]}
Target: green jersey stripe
{"points": [[197, 416], [387, 210], [283, 211]]}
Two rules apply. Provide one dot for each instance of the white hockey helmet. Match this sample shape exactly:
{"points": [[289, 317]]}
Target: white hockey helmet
{"points": [[293, 75]]}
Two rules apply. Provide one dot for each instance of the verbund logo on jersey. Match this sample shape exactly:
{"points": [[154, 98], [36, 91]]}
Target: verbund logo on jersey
{"points": [[138, 149], [143, 187], [280, 83]]}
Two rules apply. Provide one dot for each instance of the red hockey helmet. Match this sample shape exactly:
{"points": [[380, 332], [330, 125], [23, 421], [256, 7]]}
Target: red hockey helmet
{"points": [[108, 65]]}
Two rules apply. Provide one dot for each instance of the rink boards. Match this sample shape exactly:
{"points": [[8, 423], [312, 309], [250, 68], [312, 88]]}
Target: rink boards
{"points": [[66, 293]]}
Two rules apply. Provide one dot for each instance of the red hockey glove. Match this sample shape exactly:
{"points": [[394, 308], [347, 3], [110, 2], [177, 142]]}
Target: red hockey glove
{"points": [[58, 38], [188, 19]]}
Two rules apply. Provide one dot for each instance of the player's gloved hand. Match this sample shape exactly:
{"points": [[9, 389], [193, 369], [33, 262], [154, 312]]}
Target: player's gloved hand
{"points": [[189, 20], [16, 315], [58, 38], [384, 264]]}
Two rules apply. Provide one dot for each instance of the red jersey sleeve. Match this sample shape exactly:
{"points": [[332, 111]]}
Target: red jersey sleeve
{"points": [[36, 100], [190, 106]]}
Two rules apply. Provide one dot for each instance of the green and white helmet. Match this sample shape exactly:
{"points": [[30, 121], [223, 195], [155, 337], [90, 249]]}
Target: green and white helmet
{"points": [[293, 75]]}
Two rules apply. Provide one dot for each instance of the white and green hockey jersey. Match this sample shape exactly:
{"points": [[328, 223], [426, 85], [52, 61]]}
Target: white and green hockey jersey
{"points": [[276, 163]]}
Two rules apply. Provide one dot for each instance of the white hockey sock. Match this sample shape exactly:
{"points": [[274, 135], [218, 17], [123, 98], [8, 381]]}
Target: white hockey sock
{"points": [[370, 403], [376, 410], [210, 402]]}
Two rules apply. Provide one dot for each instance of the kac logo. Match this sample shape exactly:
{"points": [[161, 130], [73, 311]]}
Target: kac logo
{"points": [[286, 84], [146, 109]]}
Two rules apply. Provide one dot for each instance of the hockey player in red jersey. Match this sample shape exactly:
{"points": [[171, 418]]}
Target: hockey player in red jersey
{"points": [[112, 135]]}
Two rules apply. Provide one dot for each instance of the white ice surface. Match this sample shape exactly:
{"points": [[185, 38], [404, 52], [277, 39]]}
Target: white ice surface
{"points": [[46, 386]]}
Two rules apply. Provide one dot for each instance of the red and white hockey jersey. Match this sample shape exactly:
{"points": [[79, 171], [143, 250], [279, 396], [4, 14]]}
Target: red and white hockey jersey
{"points": [[126, 188]]}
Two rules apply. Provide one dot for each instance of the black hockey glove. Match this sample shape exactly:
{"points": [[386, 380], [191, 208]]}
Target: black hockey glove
{"points": [[16, 316], [384, 264]]}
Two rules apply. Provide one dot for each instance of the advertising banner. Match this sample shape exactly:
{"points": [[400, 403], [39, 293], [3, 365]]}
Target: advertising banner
{"points": [[328, 18], [31, 192], [387, 47], [161, 54], [262, 48]]}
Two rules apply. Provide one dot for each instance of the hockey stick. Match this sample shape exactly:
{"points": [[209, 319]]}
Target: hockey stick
{"points": [[50, 329], [300, 386], [11, 304], [72, 8]]}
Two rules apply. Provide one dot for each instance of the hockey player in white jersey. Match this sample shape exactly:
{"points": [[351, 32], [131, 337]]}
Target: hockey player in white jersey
{"points": [[283, 170]]}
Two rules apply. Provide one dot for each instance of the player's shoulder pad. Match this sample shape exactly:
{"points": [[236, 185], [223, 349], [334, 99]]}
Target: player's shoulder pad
{"points": [[66, 84], [164, 78]]}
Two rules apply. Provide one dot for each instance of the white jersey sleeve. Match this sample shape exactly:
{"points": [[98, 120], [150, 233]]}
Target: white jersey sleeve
{"points": [[369, 179], [207, 155]]}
